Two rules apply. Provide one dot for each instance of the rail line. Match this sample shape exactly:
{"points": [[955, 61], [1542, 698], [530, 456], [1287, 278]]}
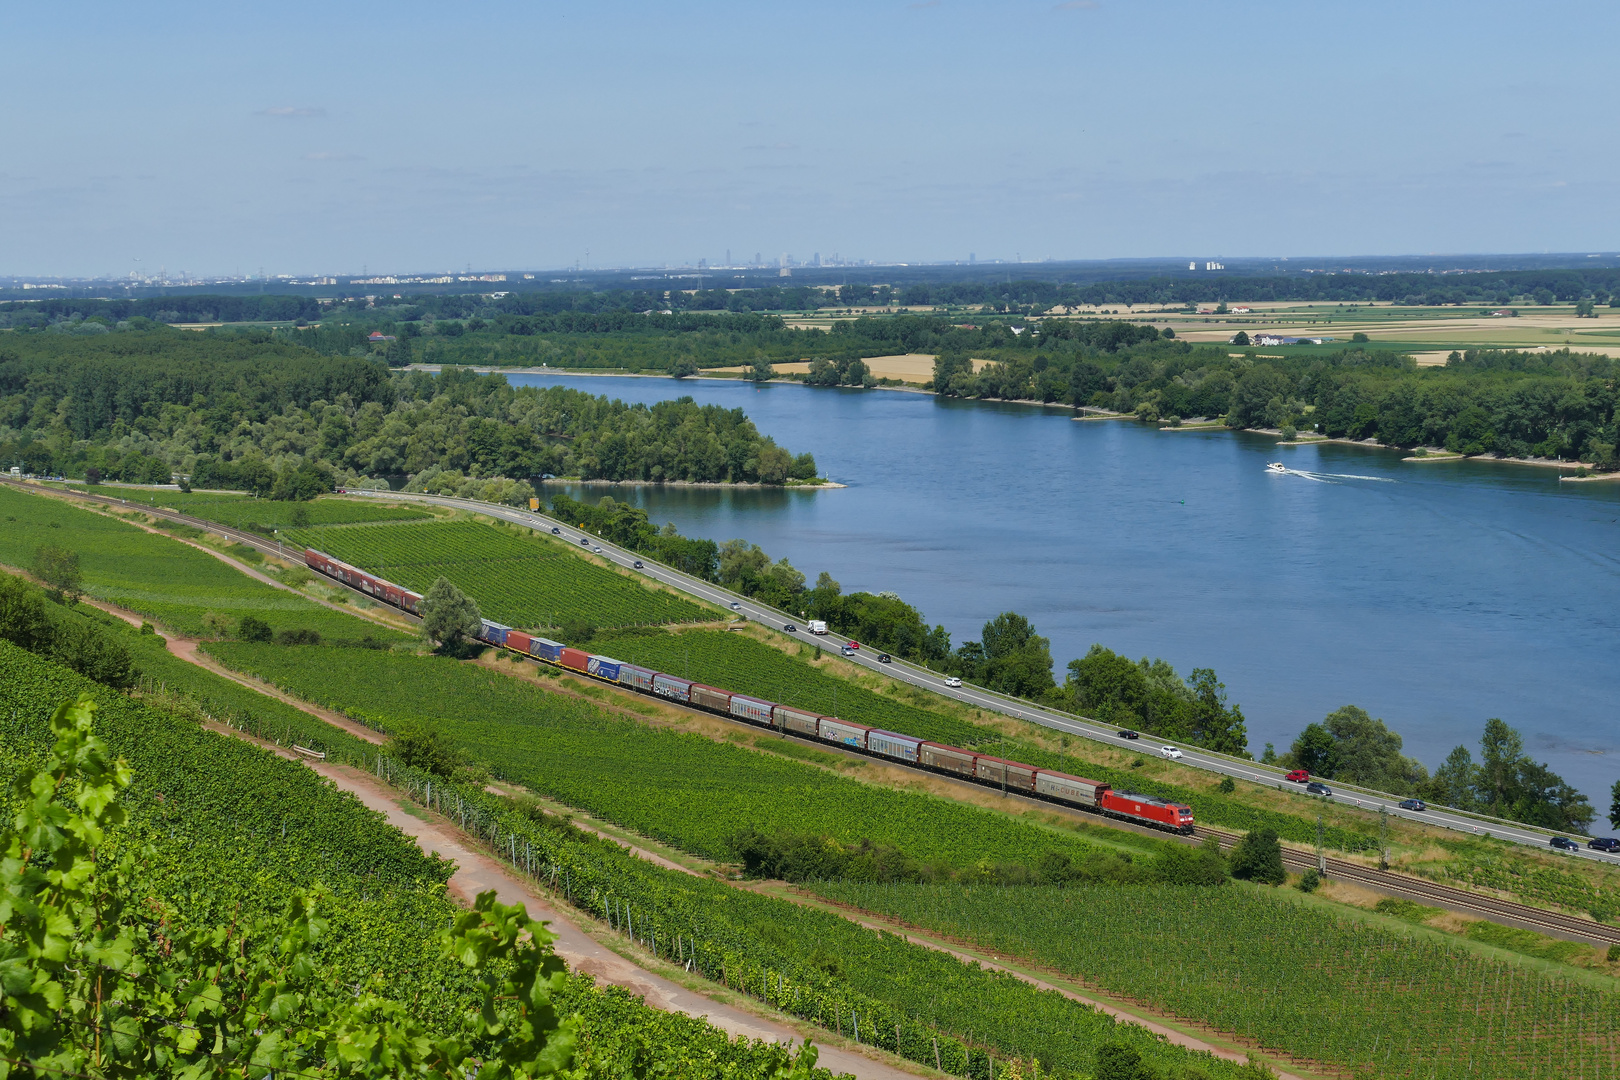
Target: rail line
{"points": [[1506, 912]]}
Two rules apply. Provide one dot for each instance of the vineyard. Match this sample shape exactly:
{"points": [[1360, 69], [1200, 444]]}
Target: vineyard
{"points": [[684, 789], [229, 831], [743, 664], [1321, 986], [263, 515], [518, 578], [169, 582]]}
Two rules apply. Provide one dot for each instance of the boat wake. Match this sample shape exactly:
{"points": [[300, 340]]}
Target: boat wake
{"points": [[1280, 469]]}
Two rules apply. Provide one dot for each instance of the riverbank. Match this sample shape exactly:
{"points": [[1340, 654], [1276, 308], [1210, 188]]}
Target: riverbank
{"points": [[791, 485]]}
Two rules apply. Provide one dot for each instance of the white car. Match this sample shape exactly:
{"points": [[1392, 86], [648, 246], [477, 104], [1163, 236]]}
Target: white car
{"points": [[597, 550], [1169, 752], [736, 605], [953, 681]]}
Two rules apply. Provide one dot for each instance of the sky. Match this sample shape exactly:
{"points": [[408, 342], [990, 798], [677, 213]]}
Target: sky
{"points": [[221, 138]]}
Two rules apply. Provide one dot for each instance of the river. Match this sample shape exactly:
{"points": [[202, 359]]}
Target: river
{"points": [[1433, 595]]}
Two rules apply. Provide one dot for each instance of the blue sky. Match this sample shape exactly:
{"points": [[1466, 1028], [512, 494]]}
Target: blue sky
{"points": [[304, 138]]}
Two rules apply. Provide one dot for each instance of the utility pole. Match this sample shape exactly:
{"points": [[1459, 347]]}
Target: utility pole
{"points": [[1383, 838], [1321, 856]]}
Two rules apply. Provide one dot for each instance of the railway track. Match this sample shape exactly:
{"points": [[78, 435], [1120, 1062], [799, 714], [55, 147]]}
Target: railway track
{"points": [[1506, 912]]}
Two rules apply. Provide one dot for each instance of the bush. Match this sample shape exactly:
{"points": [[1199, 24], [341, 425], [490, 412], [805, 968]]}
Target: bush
{"points": [[1226, 786], [1309, 881], [255, 630], [1258, 857], [298, 636]]}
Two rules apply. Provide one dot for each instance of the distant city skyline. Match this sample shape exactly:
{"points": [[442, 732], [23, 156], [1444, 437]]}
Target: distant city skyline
{"points": [[307, 139]]}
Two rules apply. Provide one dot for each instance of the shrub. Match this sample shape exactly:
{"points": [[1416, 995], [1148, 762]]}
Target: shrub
{"points": [[1309, 881], [298, 636], [251, 629], [1258, 857]]}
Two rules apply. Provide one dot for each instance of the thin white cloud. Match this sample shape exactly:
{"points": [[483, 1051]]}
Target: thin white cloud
{"points": [[292, 111]]}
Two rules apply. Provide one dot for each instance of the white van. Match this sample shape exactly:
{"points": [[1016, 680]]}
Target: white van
{"points": [[816, 626]]}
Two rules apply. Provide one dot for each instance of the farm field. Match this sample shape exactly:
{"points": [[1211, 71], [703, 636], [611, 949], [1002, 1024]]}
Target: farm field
{"points": [[1323, 987], [741, 663], [517, 578], [169, 582], [231, 832], [683, 789], [262, 515]]}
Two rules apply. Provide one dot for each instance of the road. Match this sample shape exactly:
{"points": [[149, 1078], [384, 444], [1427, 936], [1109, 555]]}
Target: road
{"points": [[990, 701]]}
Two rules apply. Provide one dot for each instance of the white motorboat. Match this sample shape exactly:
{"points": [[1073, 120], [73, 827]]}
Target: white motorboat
{"points": [[1276, 466]]}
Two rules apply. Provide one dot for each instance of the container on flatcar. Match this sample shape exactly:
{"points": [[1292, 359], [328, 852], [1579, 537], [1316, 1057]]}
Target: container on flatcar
{"points": [[493, 632], [711, 697], [575, 659], [546, 649], [894, 745], [1148, 808], [517, 639], [1012, 775], [835, 730], [949, 759], [1075, 789], [751, 709], [603, 667], [796, 720], [671, 687], [639, 677]]}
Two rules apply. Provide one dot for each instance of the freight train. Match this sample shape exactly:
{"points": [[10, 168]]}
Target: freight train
{"points": [[1013, 776]]}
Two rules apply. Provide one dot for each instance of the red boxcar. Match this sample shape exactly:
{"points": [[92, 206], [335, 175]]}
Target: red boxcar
{"points": [[1149, 808], [517, 639], [577, 659]]}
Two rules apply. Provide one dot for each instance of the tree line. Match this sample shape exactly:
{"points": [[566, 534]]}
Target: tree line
{"points": [[264, 415]]}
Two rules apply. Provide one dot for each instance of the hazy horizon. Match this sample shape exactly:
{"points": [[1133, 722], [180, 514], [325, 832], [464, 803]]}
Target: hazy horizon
{"points": [[412, 138]]}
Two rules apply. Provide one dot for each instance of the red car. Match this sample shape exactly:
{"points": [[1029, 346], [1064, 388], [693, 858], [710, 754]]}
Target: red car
{"points": [[1298, 776]]}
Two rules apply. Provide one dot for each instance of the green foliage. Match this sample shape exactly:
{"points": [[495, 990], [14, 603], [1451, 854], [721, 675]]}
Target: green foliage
{"points": [[65, 635], [1151, 697], [517, 578], [59, 569], [448, 614], [1258, 858], [571, 751], [1508, 783], [166, 581], [295, 926], [1011, 657], [265, 516], [424, 747], [1326, 988], [1351, 746], [748, 666], [252, 629], [1310, 881]]}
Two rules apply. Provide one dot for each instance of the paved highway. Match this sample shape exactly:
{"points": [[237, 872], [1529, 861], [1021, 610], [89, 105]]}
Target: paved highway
{"points": [[986, 699]]}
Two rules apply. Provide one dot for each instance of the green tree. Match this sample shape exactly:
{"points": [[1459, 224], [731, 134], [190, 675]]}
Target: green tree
{"points": [[448, 614], [1116, 1061], [93, 652], [1454, 783], [59, 569], [1315, 751], [23, 620], [1240, 338], [684, 367], [425, 747], [1258, 857], [761, 370], [1351, 746], [1614, 806], [254, 630], [1017, 660]]}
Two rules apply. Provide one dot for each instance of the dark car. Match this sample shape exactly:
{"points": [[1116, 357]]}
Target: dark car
{"points": [[1412, 804], [790, 628], [584, 542], [885, 658], [1127, 733], [1604, 843], [556, 531], [637, 565], [1564, 843], [1317, 788]]}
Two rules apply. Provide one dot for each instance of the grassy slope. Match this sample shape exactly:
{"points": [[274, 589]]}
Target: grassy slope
{"points": [[169, 582], [518, 577]]}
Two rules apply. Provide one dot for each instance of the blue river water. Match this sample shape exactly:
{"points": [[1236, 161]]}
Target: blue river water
{"points": [[1433, 595]]}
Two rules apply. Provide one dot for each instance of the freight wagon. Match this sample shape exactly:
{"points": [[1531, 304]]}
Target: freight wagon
{"points": [[991, 771]]}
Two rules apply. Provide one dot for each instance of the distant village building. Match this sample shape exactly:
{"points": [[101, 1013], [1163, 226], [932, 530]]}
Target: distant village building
{"points": [[377, 336]]}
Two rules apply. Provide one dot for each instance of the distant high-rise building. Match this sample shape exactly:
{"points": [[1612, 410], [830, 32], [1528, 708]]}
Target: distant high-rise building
{"points": [[757, 261], [1192, 266], [703, 264]]}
